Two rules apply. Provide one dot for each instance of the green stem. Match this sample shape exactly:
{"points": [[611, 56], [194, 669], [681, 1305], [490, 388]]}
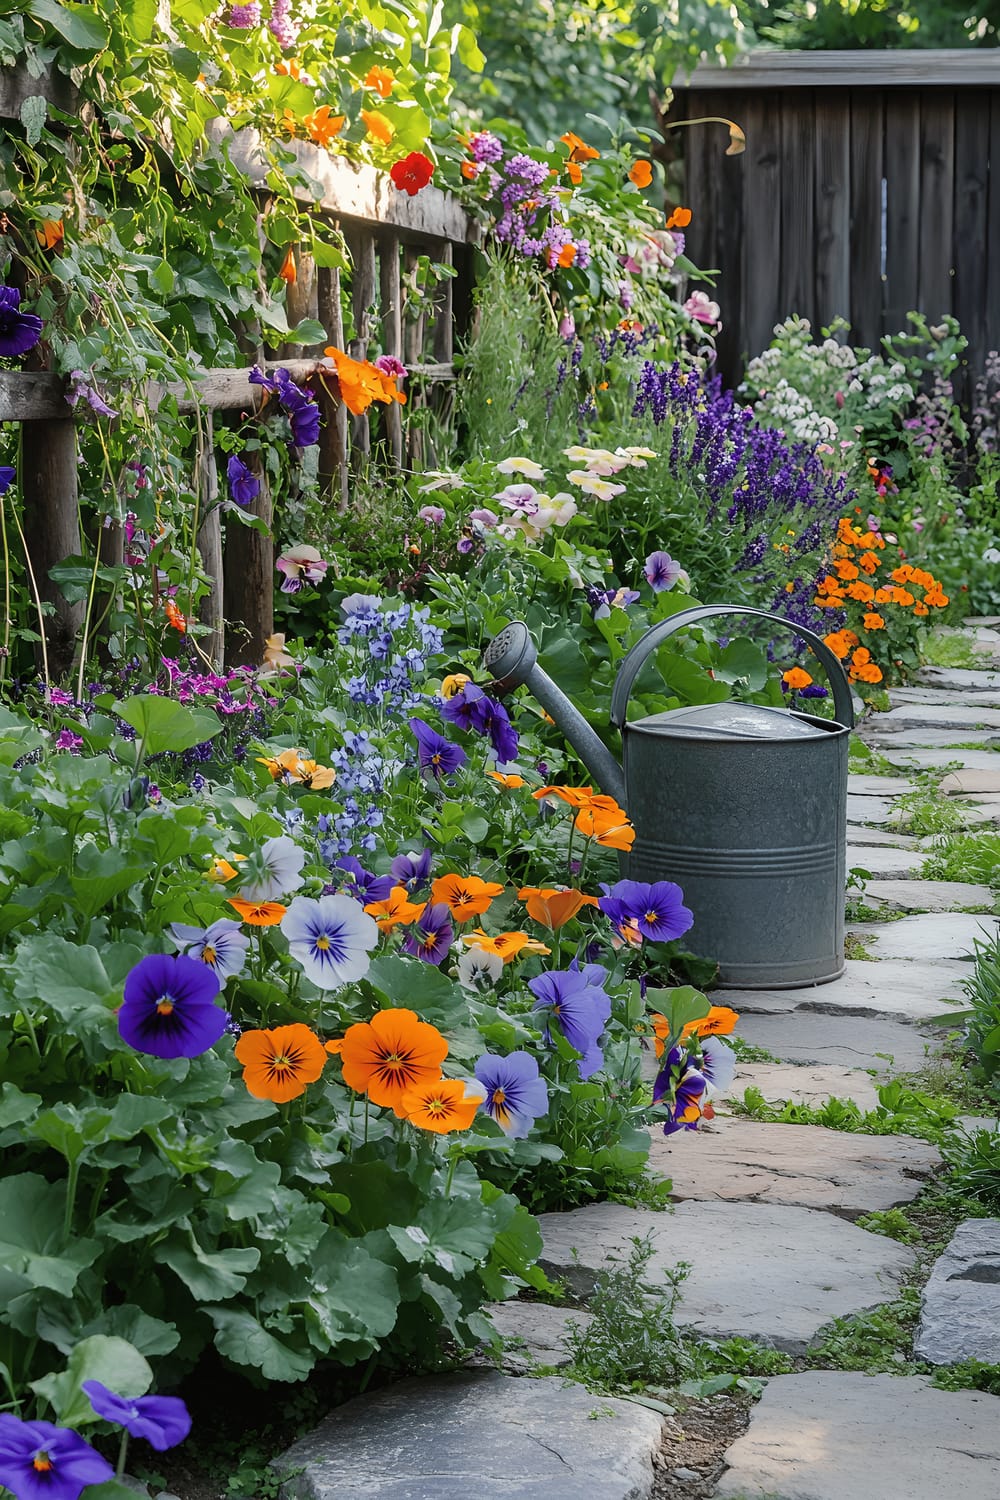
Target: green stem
{"points": [[122, 1454], [72, 1178]]}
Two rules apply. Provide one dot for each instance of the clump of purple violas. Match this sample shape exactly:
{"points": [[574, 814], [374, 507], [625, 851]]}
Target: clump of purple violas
{"points": [[298, 405], [648, 910], [472, 709], [576, 1001], [19, 331]]}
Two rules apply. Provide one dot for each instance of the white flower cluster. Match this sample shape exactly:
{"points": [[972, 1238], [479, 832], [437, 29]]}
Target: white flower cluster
{"points": [[793, 411]]}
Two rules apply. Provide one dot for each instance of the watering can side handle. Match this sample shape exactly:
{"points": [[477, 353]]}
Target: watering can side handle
{"points": [[657, 634]]}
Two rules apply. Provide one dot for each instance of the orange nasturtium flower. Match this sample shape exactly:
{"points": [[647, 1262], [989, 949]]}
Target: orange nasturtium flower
{"points": [[322, 127], [378, 125], [641, 173], [553, 907], [389, 1056], [397, 910], [289, 272], [278, 1064], [512, 782], [361, 383], [258, 913], [839, 642], [795, 679], [465, 896], [679, 219], [175, 617], [578, 150], [381, 80], [440, 1106], [874, 622], [50, 233], [507, 944]]}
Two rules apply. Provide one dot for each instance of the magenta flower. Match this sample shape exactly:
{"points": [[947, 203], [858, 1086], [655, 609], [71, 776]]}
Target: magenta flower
{"points": [[300, 565], [39, 1461], [701, 308], [19, 331], [662, 572], [163, 1421], [431, 937], [432, 514], [243, 17], [67, 740], [390, 365]]}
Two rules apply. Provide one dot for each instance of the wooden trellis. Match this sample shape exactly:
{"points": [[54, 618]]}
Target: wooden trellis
{"points": [[386, 232]]}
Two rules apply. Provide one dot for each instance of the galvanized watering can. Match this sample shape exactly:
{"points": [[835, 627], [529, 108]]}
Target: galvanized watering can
{"points": [[744, 806]]}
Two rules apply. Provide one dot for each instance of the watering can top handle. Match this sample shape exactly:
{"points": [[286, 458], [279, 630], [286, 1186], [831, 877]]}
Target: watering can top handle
{"points": [[629, 669]]}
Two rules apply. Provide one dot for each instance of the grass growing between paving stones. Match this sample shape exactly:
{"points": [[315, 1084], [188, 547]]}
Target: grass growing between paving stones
{"points": [[951, 651], [862, 760], [900, 1111], [973, 857]]}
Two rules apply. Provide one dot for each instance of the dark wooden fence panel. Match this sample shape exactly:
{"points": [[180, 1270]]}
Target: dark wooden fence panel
{"points": [[865, 191]]}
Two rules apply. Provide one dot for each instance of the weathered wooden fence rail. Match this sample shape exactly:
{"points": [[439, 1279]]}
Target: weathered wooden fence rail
{"points": [[386, 232], [865, 191]]}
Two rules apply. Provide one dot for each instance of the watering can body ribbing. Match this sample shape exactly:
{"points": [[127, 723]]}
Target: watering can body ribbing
{"points": [[744, 807]]}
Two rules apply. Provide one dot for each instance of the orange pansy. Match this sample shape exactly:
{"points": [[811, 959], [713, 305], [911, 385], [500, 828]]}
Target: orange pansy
{"points": [[574, 172], [874, 622], [507, 944], [396, 910], [466, 896], [578, 150], [720, 1021], [679, 219], [322, 127], [795, 678], [603, 820], [576, 796], [641, 173], [868, 562], [440, 1106], [390, 1055], [553, 907], [862, 592], [511, 782], [278, 1064], [258, 913]]}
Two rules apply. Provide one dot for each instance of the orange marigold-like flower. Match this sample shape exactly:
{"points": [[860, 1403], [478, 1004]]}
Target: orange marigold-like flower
{"points": [[578, 150], [873, 621], [258, 913], [679, 219], [868, 562], [507, 944], [641, 173], [390, 1055], [397, 910], [381, 80], [795, 679], [440, 1106], [845, 569], [378, 125], [466, 896], [278, 1064], [553, 907], [863, 593]]}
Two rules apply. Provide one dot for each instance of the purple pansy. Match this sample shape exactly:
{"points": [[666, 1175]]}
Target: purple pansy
{"points": [[40, 1461], [662, 572], [244, 486], [431, 936], [223, 946], [657, 909], [576, 999], [7, 477], [363, 884], [19, 331], [432, 514], [169, 1007], [164, 1421], [412, 870], [299, 566], [472, 709], [515, 1094], [434, 753]]}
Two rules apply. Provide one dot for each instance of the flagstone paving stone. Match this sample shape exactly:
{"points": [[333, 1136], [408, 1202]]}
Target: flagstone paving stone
{"points": [[928, 895], [890, 862], [868, 809], [936, 935], [831, 1435], [764, 1271], [800, 1083], [857, 833], [536, 1331], [969, 679], [967, 697], [868, 987], [735, 1159], [970, 781], [479, 1433], [877, 786], [892, 743], [937, 715], [882, 1044], [930, 757], [960, 1304]]}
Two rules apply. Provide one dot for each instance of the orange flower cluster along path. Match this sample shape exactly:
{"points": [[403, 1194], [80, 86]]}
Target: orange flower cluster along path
{"points": [[770, 1218]]}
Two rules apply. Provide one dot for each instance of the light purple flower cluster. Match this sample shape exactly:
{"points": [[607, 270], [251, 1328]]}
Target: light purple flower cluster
{"points": [[244, 17], [80, 389], [524, 213], [361, 778], [281, 26], [485, 148], [298, 405], [390, 649]]}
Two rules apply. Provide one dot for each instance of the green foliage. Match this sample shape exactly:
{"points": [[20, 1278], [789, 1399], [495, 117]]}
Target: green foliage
{"points": [[900, 1111], [970, 1375], [925, 814], [973, 1160], [878, 1342], [891, 1222], [981, 1022], [825, 25], [973, 857]]}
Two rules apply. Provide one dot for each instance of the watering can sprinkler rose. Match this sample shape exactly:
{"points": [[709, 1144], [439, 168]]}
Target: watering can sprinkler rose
{"points": [[744, 806]]}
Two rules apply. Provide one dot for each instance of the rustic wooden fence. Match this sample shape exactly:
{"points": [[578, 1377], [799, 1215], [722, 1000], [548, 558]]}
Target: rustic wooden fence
{"points": [[864, 191], [386, 232]]}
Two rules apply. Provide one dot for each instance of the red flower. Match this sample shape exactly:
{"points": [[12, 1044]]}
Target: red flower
{"points": [[412, 173]]}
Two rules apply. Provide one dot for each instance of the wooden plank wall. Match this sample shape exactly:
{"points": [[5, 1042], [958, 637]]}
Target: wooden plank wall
{"points": [[861, 203]]}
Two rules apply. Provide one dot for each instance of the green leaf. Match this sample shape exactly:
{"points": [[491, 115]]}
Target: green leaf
{"points": [[76, 24], [34, 112], [163, 278], [463, 41], [15, 1107], [32, 1211], [151, 1336], [162, 724], [100, 875], [113, 1361], [309, 331], [208, 1275], [742, 661], [241, 1338], [680, 1006]]}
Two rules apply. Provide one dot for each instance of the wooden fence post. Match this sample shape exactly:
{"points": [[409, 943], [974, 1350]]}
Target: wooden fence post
{"points": [[363, 292], [210, 609], [48, 477], [413, 349], [391, 299], [333, 433]]}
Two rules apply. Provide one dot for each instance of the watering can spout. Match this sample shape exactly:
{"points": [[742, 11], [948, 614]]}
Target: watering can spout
{"points": [[512, 660]]}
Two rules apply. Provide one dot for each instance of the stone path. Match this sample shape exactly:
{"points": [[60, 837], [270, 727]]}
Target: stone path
{"points": [[763, 1217]]}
